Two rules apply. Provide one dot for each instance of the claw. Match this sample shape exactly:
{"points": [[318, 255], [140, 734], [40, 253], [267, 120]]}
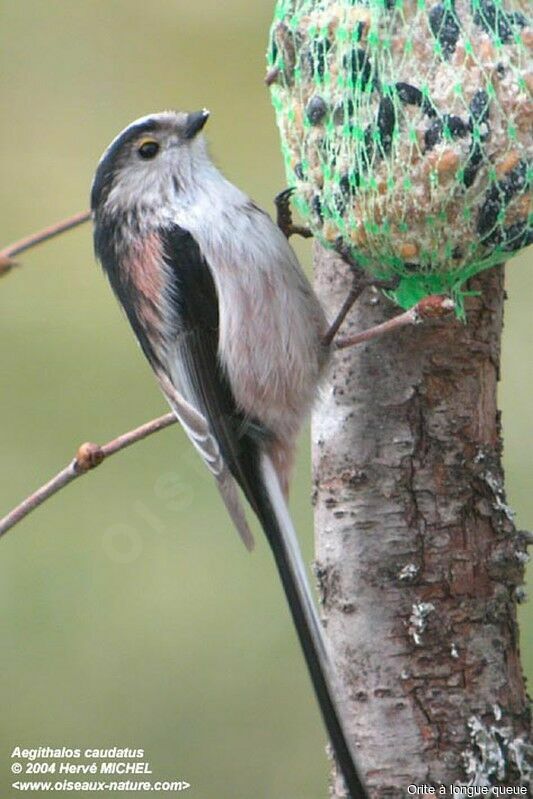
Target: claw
{"points": [[285, 195], [282, 202]]}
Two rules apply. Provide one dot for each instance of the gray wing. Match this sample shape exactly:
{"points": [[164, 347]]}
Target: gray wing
{"points": [[197, 385], [197, 429]]}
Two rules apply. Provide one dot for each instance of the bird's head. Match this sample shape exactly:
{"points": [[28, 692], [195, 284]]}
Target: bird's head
{"points": [[151, 162]]}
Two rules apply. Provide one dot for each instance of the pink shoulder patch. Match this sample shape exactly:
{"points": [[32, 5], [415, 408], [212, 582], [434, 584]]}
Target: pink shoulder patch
{"points": [[146, 270]]}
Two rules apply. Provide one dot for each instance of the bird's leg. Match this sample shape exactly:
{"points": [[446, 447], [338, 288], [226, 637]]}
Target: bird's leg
{"points": [[282, 202], [358, 286], [360, 282], [433, 307]]}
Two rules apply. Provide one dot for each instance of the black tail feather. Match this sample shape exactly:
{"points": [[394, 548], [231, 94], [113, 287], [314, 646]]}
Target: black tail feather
{"points": [[273, 515]]}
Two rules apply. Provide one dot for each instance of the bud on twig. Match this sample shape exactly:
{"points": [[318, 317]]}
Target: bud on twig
{"points": [[88, 457], [6, 265]]}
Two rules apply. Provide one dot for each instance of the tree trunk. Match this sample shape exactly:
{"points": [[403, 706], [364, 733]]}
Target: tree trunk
{"points": [[418, 559]]}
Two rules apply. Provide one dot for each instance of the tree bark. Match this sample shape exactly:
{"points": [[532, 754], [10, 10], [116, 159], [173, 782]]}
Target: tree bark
{"points": [[418, 560]]}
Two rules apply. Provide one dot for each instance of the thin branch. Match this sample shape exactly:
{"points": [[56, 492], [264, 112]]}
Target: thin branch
{"points": [[9, 252], [433, 307], [88, 457]]}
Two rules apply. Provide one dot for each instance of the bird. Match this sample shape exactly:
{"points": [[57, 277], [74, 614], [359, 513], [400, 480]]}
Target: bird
{"points": [[235, 335]]}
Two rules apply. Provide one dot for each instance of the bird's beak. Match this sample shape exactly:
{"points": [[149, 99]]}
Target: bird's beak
{"points": [[195, 122]]}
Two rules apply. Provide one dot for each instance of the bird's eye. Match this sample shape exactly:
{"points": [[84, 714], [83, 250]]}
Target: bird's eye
{"points": [[148, 149]]}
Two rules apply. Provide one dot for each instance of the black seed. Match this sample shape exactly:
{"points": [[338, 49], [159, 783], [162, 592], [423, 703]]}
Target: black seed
{"points": [[409, 94], [412, 96], [494, 20], [433, 134], [316, 110], [513, 182], [472, 165], [321, 51], [469, 174], [500, 69], [453, 124], [360, 30], [313, 58], [317, 208], [307, 63], [343, 111], [349, 183], [456, 126], [273, 50], [299, 171], [339, 204], [359, 66], [428, 108], [500, 194], [313, 61], [368, 146], [479, 110], [445, 28], [494, 238], [386, 122], [517, 236], [479, 106], [457, 254], [330, 157], [488, 213], [518, 19]]}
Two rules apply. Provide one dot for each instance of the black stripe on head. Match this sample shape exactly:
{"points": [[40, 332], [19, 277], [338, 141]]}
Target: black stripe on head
{"points": [[107, 167]]}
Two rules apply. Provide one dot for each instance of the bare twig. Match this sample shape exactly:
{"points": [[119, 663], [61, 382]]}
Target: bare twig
{"points": [[88, 457], [9, 252], [432, 307]]}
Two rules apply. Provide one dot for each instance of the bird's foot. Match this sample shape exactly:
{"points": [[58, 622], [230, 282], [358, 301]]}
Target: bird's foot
{"points": [[282, 202], [361, 281]]}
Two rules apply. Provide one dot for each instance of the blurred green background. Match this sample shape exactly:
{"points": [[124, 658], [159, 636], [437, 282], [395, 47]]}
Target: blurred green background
{"points": [[130, 613]]}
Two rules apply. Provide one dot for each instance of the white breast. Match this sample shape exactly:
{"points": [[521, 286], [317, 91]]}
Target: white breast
{"points": [[271, 322]]}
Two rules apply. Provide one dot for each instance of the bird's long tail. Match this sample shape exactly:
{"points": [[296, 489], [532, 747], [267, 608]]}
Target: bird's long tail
{"points": [[274, 517]]}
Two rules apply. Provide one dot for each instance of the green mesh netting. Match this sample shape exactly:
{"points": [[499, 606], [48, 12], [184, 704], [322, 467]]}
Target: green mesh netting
{"points": [[406, 128]]}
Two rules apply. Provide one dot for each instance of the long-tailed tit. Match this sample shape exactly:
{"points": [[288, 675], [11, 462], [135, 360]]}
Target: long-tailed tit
{"points": [[234, 333]]}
